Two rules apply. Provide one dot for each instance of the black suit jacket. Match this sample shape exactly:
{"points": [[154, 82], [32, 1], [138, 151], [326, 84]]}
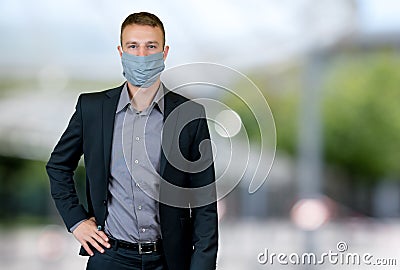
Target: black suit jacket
{"points": [[190, 234]]}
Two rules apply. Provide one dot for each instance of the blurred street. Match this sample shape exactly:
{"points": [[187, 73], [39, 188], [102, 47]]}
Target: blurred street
{"points": [[240, 243]]}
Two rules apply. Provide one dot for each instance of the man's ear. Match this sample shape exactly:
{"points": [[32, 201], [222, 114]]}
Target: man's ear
{"points": [[166, 50], [120, 50]]}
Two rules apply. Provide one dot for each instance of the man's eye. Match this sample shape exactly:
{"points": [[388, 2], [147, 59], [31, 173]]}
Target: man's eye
{"points": [[132, 46], [151, 47]]}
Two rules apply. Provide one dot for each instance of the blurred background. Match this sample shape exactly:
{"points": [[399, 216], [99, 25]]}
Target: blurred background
{"points": [[329, 69]]}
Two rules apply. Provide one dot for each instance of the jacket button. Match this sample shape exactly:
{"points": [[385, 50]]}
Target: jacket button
{"points": [[99, 228], [105, 202]]}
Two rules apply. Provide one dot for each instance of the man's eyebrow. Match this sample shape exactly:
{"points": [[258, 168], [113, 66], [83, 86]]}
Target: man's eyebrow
{"points": [[131, 42], [147, 42]]}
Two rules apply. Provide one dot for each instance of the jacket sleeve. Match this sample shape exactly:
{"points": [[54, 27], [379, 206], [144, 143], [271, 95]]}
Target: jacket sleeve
{"points": [[204, 217], [60, 169]]}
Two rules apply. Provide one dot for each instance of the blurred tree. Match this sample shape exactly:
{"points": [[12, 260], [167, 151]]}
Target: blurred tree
{"points": [[25, 191], [362, 115], [281, 93], [8, 167]]}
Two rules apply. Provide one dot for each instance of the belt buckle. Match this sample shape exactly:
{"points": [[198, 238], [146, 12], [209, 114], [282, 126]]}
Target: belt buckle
{"points": [[147, 252]]}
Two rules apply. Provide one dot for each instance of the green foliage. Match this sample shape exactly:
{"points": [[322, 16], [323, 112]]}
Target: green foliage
{"points": [[24, 188], [25, 191], [281, 93], [284, 106], [246, 110], [362, 115]]}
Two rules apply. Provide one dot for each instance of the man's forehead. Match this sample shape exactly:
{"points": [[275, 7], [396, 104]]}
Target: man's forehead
{"points": [[133, 41], [141, 29], [142, 33]]}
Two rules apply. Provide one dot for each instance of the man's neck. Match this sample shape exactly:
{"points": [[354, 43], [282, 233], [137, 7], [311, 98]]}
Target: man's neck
{"points": [[141, 97]]}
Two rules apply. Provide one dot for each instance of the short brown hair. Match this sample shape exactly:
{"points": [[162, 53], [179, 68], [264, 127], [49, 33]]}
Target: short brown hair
{"points": [[143, 18]]}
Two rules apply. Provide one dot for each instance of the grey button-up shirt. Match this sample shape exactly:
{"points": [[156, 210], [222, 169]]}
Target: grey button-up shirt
{"points": [[135, 167]]}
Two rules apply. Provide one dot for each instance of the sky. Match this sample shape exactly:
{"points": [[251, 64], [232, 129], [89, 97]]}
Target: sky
{"points": [[379, 16], [80, 38]]}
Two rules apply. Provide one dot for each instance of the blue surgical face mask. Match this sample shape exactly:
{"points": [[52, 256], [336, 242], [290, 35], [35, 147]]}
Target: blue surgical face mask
{"points": [[142, 71]]}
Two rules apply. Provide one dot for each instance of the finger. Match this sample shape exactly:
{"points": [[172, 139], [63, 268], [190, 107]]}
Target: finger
{"points": [[87, 248], [101, 241], [96, 245], [102, 235]]}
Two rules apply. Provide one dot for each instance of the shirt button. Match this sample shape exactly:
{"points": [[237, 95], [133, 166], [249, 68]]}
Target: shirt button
{"points": [[137, 184], [136, 161], [137, 138], [143, 229], [140, 207]]}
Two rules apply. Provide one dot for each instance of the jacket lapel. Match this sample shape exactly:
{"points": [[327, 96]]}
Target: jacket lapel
{"points": [[109, 107], [169, 128]]}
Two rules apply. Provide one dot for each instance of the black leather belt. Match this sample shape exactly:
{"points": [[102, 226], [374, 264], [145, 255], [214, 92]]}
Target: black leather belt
{"points": [[146, 247]]}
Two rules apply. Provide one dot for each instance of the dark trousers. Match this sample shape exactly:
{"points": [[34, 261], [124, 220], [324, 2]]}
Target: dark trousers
{"points": [[124, 259]]}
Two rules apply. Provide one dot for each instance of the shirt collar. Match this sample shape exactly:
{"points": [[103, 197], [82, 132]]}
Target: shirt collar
{"points": [[124, 99]]}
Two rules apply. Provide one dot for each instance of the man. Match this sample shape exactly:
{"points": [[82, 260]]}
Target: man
{"points": [[142, 145]]}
